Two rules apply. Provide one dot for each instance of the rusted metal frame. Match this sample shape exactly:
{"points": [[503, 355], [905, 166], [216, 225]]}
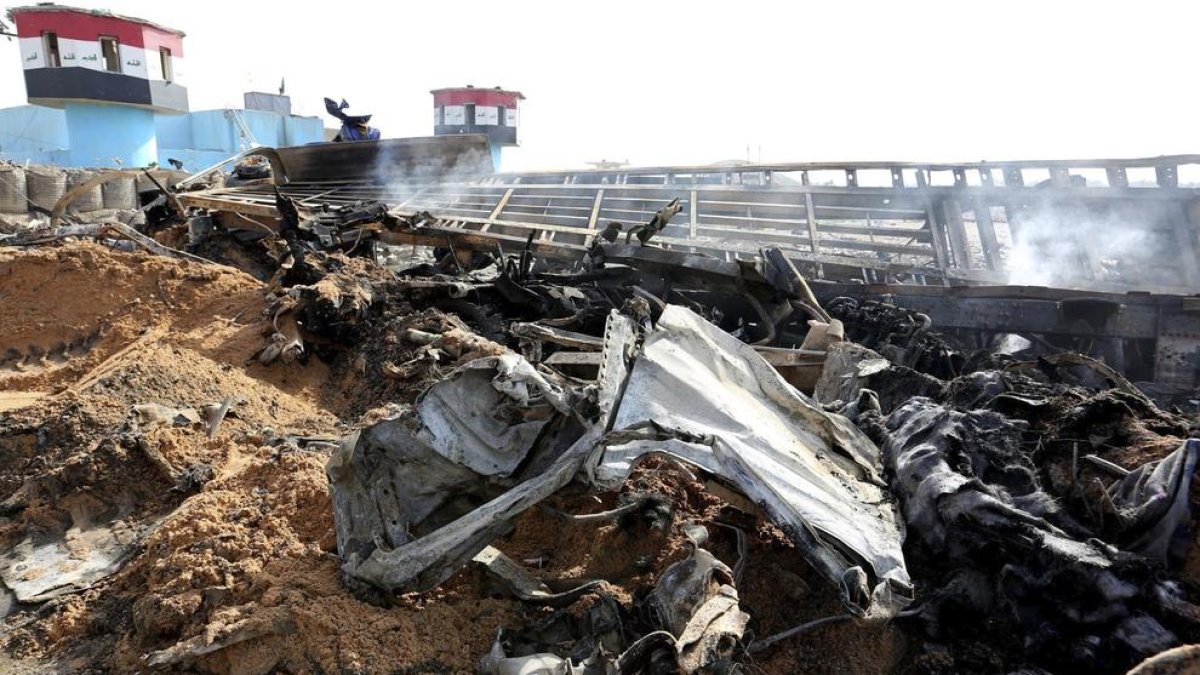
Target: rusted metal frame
{"points": [[810, 217], [956, 233], [232, 220], [987, 235], [476, 240], [499, 207]]}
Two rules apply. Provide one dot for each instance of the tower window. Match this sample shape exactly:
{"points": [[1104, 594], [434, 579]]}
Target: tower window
{"points": [[50, 46], [164, 55], [111, 53]]}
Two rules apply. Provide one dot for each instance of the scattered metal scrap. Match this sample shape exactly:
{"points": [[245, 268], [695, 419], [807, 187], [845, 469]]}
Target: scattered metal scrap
{"points": [[508, 430], [491, 420]]}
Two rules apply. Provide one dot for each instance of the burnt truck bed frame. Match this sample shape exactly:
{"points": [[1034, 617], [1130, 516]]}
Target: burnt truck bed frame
{"points": [[931, 237]]}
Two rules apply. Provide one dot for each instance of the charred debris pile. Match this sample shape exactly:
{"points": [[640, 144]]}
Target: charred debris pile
{"points": [[1005, 508]]}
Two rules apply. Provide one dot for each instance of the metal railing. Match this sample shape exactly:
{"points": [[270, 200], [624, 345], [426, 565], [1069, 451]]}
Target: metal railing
{"points": [[945, 222]]}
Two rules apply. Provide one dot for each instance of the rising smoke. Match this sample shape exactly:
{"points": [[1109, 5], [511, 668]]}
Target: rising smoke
{"points": [[1068, 247], [401, 164]]}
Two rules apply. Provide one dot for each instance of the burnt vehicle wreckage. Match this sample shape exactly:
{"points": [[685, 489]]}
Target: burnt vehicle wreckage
{"points": [[959, 455]]}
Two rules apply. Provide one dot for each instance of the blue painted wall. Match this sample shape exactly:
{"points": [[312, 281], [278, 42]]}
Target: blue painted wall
{"points": [[213, 130], [33, 133], [204, 138], [199, 139], [110, 135]]}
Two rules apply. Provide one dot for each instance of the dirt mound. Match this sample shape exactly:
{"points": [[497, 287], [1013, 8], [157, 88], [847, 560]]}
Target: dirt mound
{"points": [[162, 335], [68, 309]]}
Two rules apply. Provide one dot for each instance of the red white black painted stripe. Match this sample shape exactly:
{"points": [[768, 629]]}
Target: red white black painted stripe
{"points": [[56, 86], [485, 115], [71, 25], [488, 97], [134, 61]]}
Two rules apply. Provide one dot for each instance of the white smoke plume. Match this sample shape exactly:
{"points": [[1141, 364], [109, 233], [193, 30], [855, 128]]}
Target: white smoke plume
{"points": [[1072, 248]]}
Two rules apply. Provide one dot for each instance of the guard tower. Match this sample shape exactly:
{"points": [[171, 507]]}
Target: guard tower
{"points": [[468, 110], [109, 73]]}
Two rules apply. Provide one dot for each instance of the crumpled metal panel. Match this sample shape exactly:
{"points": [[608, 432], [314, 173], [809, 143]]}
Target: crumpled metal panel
{"points": [[698, 393], [425, 562], [403, 489], [690, 390], [485, 416]]}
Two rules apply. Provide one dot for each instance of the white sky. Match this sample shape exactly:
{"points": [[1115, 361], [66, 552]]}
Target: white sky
{"points": [[657, 82]]}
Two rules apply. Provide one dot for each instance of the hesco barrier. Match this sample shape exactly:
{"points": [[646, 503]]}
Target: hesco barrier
{"points": [[12, 190], [120, 193], [44, 189], [90, 200]]}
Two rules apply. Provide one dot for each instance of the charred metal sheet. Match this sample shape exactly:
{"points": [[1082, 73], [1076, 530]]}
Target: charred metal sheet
{"points": [[400, 160], [384, 162], [699, 394], [1147, 337], [1131, 316], [1177, 349]]}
